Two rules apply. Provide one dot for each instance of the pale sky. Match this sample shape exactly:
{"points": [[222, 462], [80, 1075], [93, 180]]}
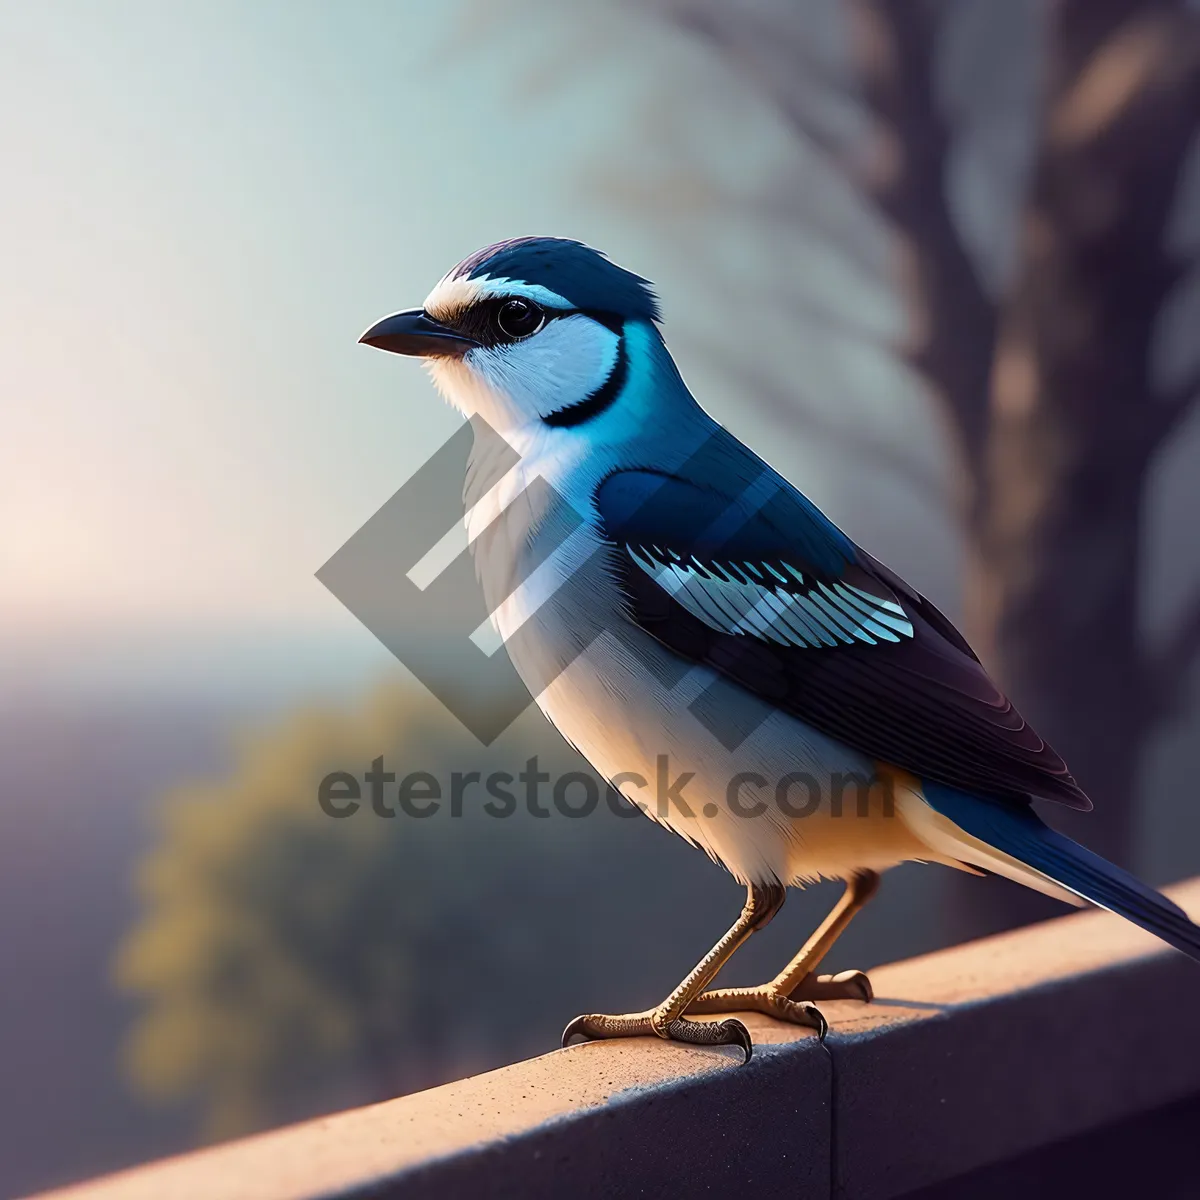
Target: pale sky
{"points": [[203, 205]]}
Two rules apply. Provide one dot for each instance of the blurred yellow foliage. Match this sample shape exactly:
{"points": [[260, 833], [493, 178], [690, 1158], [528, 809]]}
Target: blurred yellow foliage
{"points": [[277, 945]]}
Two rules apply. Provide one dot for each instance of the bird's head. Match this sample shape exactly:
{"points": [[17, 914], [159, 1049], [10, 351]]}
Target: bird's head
{"points": [[538, 334]]}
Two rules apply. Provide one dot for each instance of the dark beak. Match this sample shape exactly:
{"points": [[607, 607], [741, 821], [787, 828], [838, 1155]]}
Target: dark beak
{"points": [[412, 332]]}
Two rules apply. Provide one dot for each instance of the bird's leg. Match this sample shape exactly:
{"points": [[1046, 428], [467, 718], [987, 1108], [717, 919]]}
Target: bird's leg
{"points": [[763, 901], [797, 981]]}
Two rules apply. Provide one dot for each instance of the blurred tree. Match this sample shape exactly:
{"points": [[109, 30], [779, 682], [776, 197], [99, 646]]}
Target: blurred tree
{"points": [[288, 961], [1049, 377]]}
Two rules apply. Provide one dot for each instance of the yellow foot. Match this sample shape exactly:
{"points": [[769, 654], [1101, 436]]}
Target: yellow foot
{"points": [[846, 985], [761, 1000], [648, 1024]]}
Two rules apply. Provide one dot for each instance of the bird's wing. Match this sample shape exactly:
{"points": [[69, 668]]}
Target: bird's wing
{"points": [[738, 570]]}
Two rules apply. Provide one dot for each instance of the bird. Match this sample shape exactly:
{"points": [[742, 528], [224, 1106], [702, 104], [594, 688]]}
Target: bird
{"points": [[668, 597]]}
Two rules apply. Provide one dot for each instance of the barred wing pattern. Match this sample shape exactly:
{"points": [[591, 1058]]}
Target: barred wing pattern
{"points": [[773, 601]]}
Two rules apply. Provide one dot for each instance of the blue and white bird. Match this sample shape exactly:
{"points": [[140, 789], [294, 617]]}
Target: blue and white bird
{"points": [[693, 608]]}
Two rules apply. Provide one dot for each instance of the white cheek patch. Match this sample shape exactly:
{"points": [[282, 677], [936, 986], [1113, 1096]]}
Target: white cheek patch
{"points": [[560, 366]]}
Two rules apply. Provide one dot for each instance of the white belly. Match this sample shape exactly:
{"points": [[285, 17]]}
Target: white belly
{"points": [[623, 700], [631, 730]]}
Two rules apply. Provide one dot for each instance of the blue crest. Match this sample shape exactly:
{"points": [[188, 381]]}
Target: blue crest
{"points": [[576, 272]]}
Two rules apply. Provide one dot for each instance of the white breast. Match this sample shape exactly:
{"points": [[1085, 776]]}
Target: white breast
{"points": [[623, 700]]}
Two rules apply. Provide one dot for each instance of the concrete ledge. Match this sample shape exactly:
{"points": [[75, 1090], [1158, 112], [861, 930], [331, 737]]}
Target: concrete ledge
{"points": [[969, 1057]]}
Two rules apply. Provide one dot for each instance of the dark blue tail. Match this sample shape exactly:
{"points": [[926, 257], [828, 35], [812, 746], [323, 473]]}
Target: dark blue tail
{"points": [[1019, 833]]}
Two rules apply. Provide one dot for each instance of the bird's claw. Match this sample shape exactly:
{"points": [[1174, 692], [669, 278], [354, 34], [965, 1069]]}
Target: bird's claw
{"points": [[600, 1025], [576, 1027], [846, 985], [763, 1000], [693, 1033], [713, 1033]]}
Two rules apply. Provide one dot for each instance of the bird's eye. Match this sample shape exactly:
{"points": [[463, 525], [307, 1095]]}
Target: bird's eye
{"points": [[517, 319]]}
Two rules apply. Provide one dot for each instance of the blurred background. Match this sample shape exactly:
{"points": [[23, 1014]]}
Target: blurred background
{"points": [[934, 260]]}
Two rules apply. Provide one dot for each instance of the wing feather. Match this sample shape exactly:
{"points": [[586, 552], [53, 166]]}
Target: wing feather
{"points": [[782, 603]]}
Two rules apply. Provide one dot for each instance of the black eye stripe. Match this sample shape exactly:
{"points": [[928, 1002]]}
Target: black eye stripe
{"points": [[611, 321], [479, 321]]}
